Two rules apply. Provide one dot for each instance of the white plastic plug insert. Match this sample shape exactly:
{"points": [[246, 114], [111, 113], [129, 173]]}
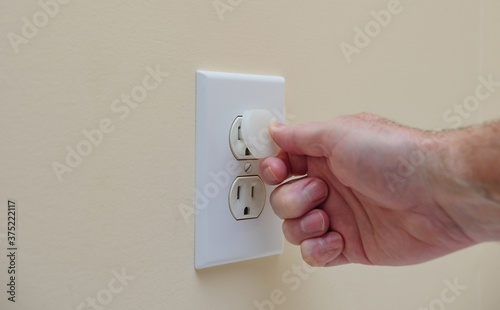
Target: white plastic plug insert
{"points": [[255, 132], [249, 136]]}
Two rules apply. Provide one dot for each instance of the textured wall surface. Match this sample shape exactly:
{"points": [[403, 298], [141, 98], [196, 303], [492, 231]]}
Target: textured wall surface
{"points": [[105, 230]]}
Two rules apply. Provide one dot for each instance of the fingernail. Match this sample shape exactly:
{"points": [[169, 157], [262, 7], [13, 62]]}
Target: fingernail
{"points": [[276, 126], [332, 242], [315, 191], [269, 175], [313, 223]]}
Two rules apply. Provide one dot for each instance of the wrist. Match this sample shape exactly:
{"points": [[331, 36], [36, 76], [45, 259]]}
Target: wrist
{"points": [[467, 184]]}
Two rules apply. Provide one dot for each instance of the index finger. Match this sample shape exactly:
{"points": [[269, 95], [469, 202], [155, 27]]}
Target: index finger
{"points": [[275, 170]]}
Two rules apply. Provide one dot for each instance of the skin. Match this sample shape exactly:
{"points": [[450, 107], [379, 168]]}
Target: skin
{"points": [[369, 191]]}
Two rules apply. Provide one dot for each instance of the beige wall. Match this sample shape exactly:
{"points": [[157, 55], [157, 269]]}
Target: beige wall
{"points": [[119, 208], [490, 49]]}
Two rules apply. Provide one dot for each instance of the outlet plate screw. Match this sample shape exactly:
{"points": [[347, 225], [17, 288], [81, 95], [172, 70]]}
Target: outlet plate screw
{"points": [[248, 167]]}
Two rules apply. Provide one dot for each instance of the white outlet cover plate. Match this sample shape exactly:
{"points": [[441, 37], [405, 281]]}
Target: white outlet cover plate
{"points": [[219, 238]]}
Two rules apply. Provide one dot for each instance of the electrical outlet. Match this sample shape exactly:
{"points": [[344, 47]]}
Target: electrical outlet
{"points": [[247, 197], [233, 218]]}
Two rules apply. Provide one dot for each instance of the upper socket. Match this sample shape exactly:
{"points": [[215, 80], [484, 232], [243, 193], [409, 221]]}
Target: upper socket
{"points": [[236, 142]]}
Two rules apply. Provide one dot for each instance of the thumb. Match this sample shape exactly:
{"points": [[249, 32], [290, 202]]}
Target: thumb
{"points": [[304, 139]]}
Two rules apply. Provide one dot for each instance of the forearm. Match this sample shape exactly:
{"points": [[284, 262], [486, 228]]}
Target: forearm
{"points": [[471, 160], [479, 150]]}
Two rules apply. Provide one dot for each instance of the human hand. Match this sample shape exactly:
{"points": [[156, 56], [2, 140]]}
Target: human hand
{"points": [[370, 192]]}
